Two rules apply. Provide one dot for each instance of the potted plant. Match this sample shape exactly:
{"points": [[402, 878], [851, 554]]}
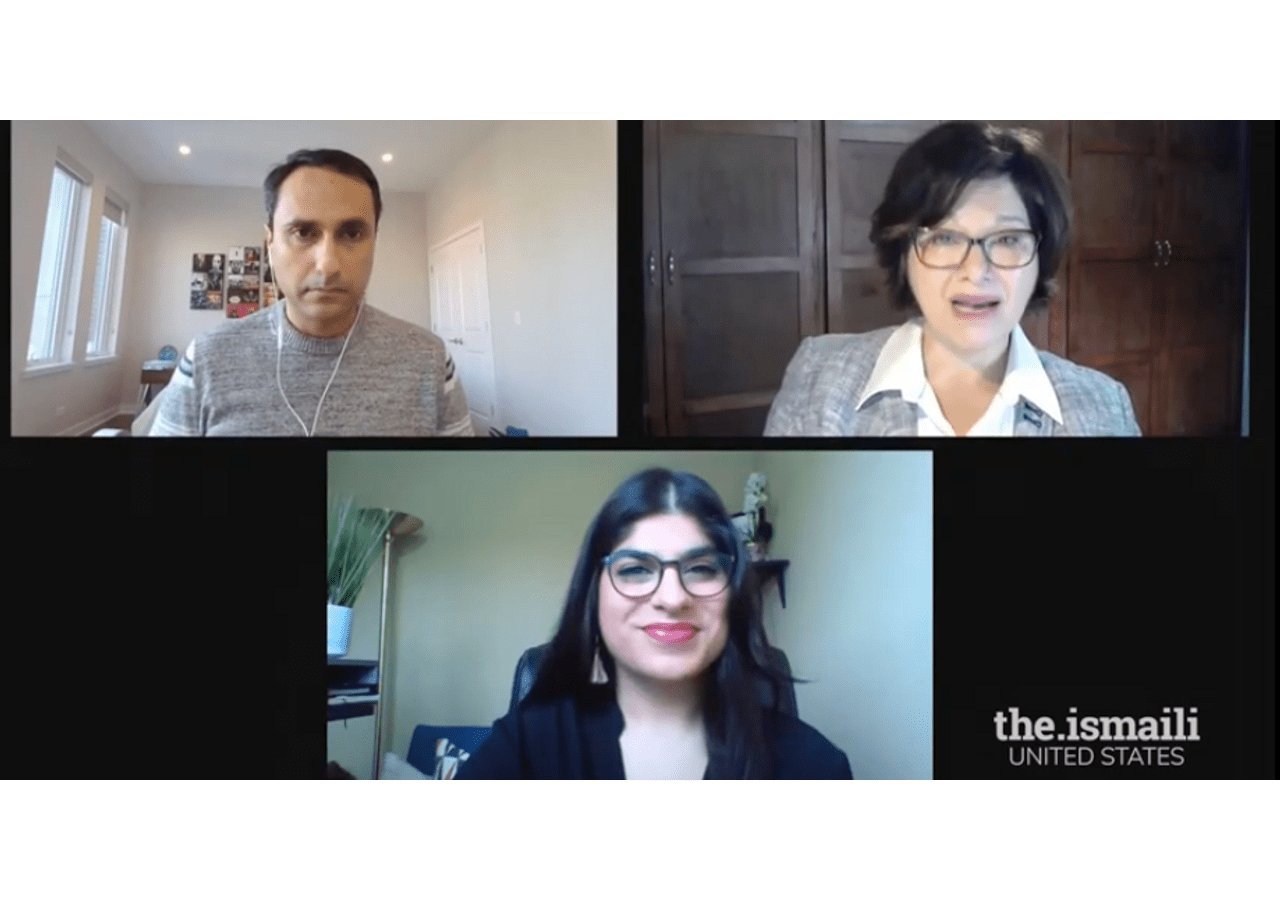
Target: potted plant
{"points": [[355, 537]]}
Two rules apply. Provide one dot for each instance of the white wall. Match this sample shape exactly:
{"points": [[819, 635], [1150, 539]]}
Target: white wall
{"points": [[87, 395], [547, 195], [858, 529], [486, 580]]}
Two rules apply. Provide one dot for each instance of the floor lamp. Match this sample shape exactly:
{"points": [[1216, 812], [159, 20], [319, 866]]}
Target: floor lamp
{"points": [[401, 524]]}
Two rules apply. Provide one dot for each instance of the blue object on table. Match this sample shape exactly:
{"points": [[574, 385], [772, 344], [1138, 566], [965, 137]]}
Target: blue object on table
{"points": [[169, 353], [513, 431], [422, 748]]}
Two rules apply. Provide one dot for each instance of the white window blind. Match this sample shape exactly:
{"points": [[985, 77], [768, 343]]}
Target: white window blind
{"points": [[54, 317], [108, 276]]}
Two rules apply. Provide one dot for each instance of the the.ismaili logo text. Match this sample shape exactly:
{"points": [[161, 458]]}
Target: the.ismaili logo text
{"points": [[1174, 725]]}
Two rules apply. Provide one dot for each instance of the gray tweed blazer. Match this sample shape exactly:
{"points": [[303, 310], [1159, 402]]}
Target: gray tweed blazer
{"points": [[828, 374]]}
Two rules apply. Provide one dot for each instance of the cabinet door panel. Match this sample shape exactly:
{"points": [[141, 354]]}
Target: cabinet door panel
{"points": [[863, 169], [730, 195], [1111, 309], [753, 323], [1202, 303], [1201, 395], [1138, 138], [739, 221], [1114, 196], [1204, 211]]}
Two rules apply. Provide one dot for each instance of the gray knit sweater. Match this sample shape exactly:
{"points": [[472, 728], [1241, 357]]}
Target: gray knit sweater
{"points": [[395, 380]]}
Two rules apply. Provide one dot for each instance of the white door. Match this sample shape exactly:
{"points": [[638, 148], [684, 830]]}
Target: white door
{"points": [[459, 286]]}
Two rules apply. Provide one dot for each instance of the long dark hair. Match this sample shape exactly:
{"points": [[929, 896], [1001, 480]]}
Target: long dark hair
{"points": [[735, 711]]}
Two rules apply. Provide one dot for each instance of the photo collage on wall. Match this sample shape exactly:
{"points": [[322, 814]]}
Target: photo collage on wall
{"points": [[206, 280], [240, 281], [244, 270]]}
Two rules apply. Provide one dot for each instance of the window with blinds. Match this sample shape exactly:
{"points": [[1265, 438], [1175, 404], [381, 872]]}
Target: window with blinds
{"points": [[107, 282], [53, 324]]}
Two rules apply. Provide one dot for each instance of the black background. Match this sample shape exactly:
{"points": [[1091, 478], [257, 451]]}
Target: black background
{"points": [[165, 616], [168, 626]]}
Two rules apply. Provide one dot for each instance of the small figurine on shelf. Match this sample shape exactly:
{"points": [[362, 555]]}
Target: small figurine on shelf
{"points": [[757, 530]]}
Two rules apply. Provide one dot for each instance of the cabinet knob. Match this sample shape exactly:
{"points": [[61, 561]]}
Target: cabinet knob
{"points": [[1168, 252], [653, 268], [671, 268]]}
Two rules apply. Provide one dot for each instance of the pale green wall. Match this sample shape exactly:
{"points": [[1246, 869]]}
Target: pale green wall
{"points": [[858, 529]]}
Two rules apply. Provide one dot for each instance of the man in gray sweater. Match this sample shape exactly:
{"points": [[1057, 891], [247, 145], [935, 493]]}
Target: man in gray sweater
{"points": [[321, 361]]}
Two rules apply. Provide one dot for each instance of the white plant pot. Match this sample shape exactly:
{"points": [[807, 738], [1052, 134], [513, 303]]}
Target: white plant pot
{"points": [[339, 630]]}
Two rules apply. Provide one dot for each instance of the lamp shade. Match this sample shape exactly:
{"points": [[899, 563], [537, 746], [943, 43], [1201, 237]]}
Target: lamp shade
{"points": [[401, 523]]}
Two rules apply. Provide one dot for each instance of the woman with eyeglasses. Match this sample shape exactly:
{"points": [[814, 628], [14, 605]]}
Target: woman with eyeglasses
{"points": [[658, 669], [974, 224]]}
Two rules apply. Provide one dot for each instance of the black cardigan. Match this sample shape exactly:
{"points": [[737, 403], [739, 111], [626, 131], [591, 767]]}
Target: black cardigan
{"points": [[577, 738]]}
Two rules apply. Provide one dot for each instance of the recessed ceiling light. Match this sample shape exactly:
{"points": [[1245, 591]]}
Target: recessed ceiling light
{"points": [[386, 157], [184, 150]]}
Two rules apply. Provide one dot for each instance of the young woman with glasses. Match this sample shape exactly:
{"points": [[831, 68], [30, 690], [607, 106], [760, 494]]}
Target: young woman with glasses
{"points": [[659, 666], [974, 224]]}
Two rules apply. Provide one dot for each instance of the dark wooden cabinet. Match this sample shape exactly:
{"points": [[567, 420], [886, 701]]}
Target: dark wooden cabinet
{"points": [[1158, 298], [756, 234], [734, 267]]}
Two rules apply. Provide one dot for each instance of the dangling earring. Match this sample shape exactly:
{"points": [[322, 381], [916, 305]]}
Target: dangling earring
{"points": [[598, 674]]}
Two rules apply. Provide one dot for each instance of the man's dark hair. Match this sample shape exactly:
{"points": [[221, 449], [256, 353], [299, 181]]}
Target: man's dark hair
{"points": [[336, 160], [934, 171], [735, 715]]}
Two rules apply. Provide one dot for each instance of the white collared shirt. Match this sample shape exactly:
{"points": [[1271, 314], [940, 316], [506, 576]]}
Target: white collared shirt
{"points": [[900, 367]]}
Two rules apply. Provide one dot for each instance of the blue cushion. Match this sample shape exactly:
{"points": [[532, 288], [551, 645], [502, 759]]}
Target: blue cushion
{"points": [[422, 748]]}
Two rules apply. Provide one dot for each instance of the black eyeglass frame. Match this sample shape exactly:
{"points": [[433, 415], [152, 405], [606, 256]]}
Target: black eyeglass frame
{"points": [[726, 562], [981, 242]]}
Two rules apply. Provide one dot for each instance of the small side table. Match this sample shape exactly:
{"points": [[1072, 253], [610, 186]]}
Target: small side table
{"points": [[151, 377], [768, 570]]}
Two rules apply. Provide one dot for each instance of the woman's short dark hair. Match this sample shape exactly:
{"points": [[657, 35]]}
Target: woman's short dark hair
{"points": [[933, 172], [734, 711], [336, 160]]}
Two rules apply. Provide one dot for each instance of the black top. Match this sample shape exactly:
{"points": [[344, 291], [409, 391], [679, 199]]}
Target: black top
{"points": [[570, 738]]}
